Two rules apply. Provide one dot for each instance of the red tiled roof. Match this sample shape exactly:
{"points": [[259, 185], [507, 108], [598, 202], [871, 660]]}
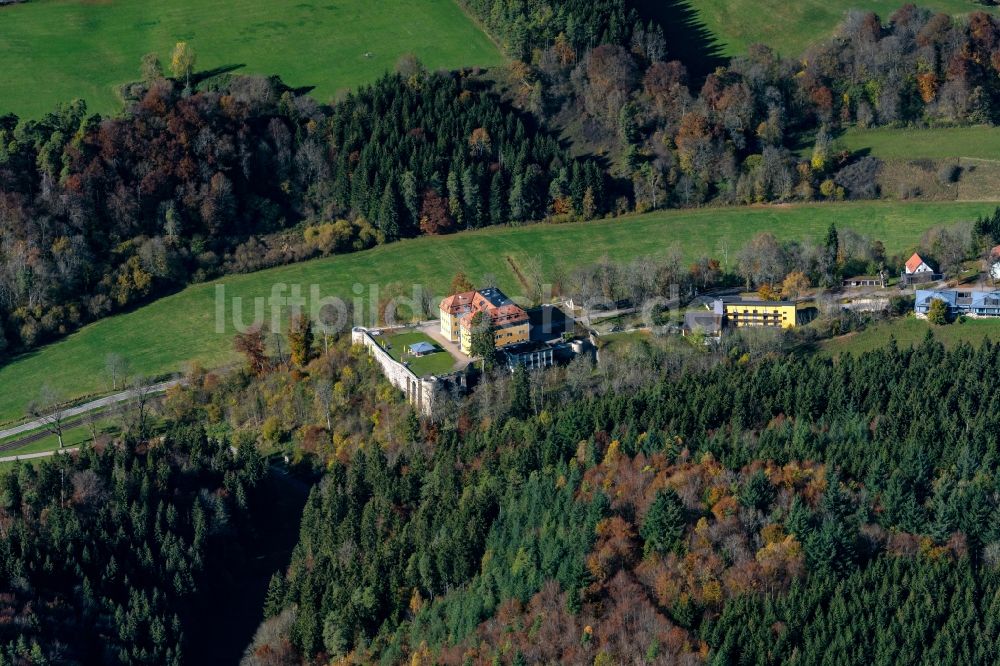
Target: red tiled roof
{"points": [[458, 303], [501, 311], [913, 263]]}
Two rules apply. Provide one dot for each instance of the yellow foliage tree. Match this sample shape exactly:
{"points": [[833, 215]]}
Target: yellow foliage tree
{"points": [[794, 285], [182, 61], [768, 293]]}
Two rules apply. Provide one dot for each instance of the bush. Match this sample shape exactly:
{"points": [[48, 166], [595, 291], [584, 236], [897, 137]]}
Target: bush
{"points": [[900, 305], [949, 173], [860, 179], [937, 314]]}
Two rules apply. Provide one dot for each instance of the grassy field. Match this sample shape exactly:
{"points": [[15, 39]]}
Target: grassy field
{"points": [[57, 50], [909, 331], [71, 437], [789, 27], [980, 142], [185, 326], [435, 363]]}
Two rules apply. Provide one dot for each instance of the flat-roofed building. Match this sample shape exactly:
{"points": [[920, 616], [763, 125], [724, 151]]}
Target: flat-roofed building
{"points": [[747, 313], [865, 281], [531, 355]]}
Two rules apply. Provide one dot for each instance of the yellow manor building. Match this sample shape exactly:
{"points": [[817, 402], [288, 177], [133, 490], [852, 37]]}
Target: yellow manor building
{"points": [[509, 321], [741, 314]]}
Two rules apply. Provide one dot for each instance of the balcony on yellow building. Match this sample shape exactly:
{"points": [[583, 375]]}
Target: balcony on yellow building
{"points": [[749, 313]]}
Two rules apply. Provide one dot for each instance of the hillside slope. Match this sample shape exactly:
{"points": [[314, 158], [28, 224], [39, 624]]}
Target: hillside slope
{"points": [[86, 49], [736, 24], [164, 335]]}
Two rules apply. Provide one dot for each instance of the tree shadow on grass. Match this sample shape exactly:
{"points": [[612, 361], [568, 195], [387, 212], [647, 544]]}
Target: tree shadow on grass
{"points": [[688, 38], [198, 77]]}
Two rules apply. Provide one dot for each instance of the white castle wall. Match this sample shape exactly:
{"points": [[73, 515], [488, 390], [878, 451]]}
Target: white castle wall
{"points": [[419, 391]]}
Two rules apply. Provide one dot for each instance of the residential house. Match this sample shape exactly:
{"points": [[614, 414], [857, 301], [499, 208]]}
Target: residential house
{"points": [[917, 271], [509, 321], [968, 302]]}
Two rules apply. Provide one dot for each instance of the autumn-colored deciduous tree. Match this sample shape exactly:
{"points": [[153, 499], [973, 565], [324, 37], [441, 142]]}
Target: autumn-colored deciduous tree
{"points": [[794, 285], [434, 216], [616, 548], [253, 346], [611, 76], [927, 85], [767, 292], [182, 62], [300, 340], [460, 283], [479, 142]]}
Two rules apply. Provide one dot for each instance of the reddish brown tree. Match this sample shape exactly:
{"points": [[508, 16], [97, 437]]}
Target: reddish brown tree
{"points": [[434, 216], [252, 345]]}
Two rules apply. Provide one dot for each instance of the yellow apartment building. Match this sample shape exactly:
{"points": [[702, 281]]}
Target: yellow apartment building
{"points": [[775, 314]]}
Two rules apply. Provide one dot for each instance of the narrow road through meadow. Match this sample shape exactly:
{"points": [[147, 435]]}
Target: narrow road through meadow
{"points": [[69, 412]]}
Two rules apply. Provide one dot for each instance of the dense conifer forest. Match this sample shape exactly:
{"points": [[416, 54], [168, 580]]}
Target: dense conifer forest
{"points": [[709, 507], [655, 507], [103, 554]]}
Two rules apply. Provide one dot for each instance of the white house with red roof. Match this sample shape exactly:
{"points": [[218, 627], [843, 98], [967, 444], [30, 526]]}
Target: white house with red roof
{"points": [[916, 264], [916, 271]]}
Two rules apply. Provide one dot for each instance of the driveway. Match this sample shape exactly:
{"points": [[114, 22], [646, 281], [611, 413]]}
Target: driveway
{"points": [[433, 330]]}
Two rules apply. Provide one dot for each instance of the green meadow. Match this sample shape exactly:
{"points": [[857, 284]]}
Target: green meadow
{"points": [[790, 27], [57, 50], [165, 334], [980, 142], [911, 331]]}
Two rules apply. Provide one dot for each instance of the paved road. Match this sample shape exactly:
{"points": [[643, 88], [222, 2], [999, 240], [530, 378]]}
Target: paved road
{"points": [[106, 401], [40, 454]]}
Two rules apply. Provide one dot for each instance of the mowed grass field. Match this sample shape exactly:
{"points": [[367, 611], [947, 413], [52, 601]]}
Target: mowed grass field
{"points": [[439, 362], [910, 331], [162, 336], [57, 50], [790, 27], [981, 142]]}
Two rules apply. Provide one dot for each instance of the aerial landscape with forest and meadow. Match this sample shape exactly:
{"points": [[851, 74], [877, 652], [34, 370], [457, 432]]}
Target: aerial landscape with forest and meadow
{"points": [[499, 332]]}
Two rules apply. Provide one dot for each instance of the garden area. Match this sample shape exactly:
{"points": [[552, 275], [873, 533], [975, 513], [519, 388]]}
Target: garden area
{"points": [[437, 362]]}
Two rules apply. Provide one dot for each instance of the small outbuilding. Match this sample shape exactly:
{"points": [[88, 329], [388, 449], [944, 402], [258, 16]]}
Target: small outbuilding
{"points": [[865, 281], [422, 348]]}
